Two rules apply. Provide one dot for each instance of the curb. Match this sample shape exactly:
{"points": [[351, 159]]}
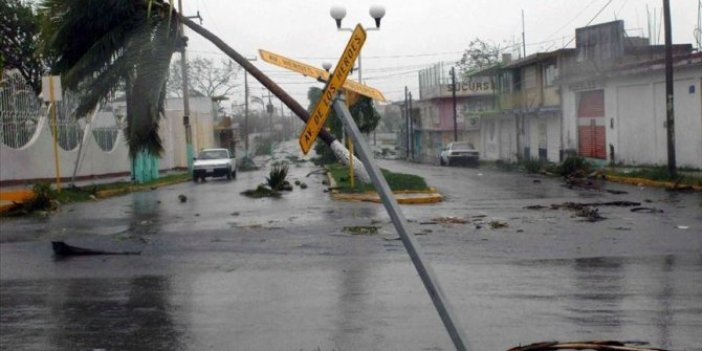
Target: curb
{"points": [[103, 194], [648, 182], [8, 199], [403, 197]]}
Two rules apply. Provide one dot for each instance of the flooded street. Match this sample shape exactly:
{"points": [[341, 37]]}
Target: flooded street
{"points": [[225, 272]]}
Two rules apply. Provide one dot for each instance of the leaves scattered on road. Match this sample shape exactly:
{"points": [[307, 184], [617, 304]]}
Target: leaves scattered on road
{"points": [[362, 230]]}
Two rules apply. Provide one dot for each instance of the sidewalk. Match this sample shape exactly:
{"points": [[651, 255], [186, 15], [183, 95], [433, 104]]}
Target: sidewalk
{"points": [[18, 193]]}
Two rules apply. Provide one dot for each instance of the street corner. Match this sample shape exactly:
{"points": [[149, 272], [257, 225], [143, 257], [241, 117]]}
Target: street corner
{"points": [[10, 198], [651, 183], [403, 198]]}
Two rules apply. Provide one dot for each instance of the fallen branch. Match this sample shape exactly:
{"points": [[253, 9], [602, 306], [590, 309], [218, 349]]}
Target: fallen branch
{"points": [[584, 345], [62, 249]]}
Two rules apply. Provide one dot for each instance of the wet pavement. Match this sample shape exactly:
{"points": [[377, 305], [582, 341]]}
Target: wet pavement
{"points": [[225, 272]]}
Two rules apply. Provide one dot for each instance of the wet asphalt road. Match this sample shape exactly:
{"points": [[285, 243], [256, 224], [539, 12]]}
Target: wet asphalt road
{"points": [[224, 272]]}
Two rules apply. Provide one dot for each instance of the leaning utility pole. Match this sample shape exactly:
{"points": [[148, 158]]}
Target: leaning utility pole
{"points": [[189, 152], [670, 120], [523, 35], [453, 93], [407, 125], [409, 112], [246, 114]]}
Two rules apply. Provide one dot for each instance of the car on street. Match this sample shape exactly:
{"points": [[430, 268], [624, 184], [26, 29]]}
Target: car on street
{"points": [[214, 163], [459, 153]]}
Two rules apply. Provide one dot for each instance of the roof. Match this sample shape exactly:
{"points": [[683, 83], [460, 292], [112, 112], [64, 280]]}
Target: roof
{"points": [[537, 57], [486, 70]]}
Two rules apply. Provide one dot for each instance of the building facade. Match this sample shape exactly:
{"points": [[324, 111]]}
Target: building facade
{"points": [[434, 124], [603, 100]]}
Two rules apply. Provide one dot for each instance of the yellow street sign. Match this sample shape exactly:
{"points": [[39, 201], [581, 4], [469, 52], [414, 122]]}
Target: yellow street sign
{"points": [[305, 69], [318, 73], [341, 71]]}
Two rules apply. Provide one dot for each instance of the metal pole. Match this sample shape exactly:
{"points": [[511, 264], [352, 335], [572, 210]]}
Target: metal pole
{"points": [[54, 122], [407, 124], [426, 274], [269, 109], [670, 116], [523, 35], [246, 114], [360, 70], [283, 122], [189, 152], [409, 111], [86, 135], [455, 114]]}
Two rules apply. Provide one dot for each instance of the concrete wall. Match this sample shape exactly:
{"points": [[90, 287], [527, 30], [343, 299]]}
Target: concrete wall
{"points": [[36, 159], [638, 112], [635, 116], [544, 130], [498, 138]]}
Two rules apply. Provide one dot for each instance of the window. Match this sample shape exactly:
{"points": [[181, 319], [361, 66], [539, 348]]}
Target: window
{"points": [[529, 77], [550, 74]]}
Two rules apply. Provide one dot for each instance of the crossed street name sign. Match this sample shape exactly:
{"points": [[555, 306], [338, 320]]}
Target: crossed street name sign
{"points": [[335, 82]]}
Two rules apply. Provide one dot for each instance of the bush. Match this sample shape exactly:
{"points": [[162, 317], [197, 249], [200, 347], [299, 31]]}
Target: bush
{"points": [[276, 177], [396, 181], [532, 165], [574, 166], [505, 165]]}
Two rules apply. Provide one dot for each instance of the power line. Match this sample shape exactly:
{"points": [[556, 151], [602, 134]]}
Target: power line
{"points": [[572, 19], [592, 19]]}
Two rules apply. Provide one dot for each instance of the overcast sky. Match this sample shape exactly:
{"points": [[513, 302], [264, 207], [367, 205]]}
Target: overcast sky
{"points": [[413, 35]]}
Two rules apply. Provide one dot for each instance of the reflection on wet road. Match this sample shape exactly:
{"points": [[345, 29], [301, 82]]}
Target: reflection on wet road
{"points": [[224, 272]]}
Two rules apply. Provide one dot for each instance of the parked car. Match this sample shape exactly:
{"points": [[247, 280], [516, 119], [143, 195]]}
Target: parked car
{"points": [[459, 153], [214, 163]]}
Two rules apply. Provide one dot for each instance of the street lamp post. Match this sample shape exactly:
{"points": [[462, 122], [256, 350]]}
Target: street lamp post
{"points": [[339, 12]]}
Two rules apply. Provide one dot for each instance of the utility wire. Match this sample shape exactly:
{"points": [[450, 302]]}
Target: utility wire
{"points": [[592, 19], [571, 20]]}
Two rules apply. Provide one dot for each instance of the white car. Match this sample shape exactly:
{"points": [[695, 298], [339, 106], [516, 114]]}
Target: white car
{"points": [[459, 152], [214, 163]]}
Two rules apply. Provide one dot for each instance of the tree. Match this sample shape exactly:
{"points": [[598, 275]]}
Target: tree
{"points": [[96, 43], [365, 115], [479, 55], [363, 112], [19, 31], [204, 76], [121, 44]]}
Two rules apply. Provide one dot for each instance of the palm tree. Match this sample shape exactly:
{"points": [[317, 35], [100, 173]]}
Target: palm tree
{"points": [[102, 45]]}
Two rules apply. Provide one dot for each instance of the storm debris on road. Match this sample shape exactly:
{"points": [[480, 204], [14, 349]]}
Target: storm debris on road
{"points": [[608, 345], [446, 220], [362, 230], [535, 207], [424, 232], [182, 198], [576, 206], [590, 214], [260, 192], [646, 210], [62, 249], [495, 224]]}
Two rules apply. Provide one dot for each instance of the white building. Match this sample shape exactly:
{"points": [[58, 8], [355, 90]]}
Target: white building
{"points": [[631, 102]]}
